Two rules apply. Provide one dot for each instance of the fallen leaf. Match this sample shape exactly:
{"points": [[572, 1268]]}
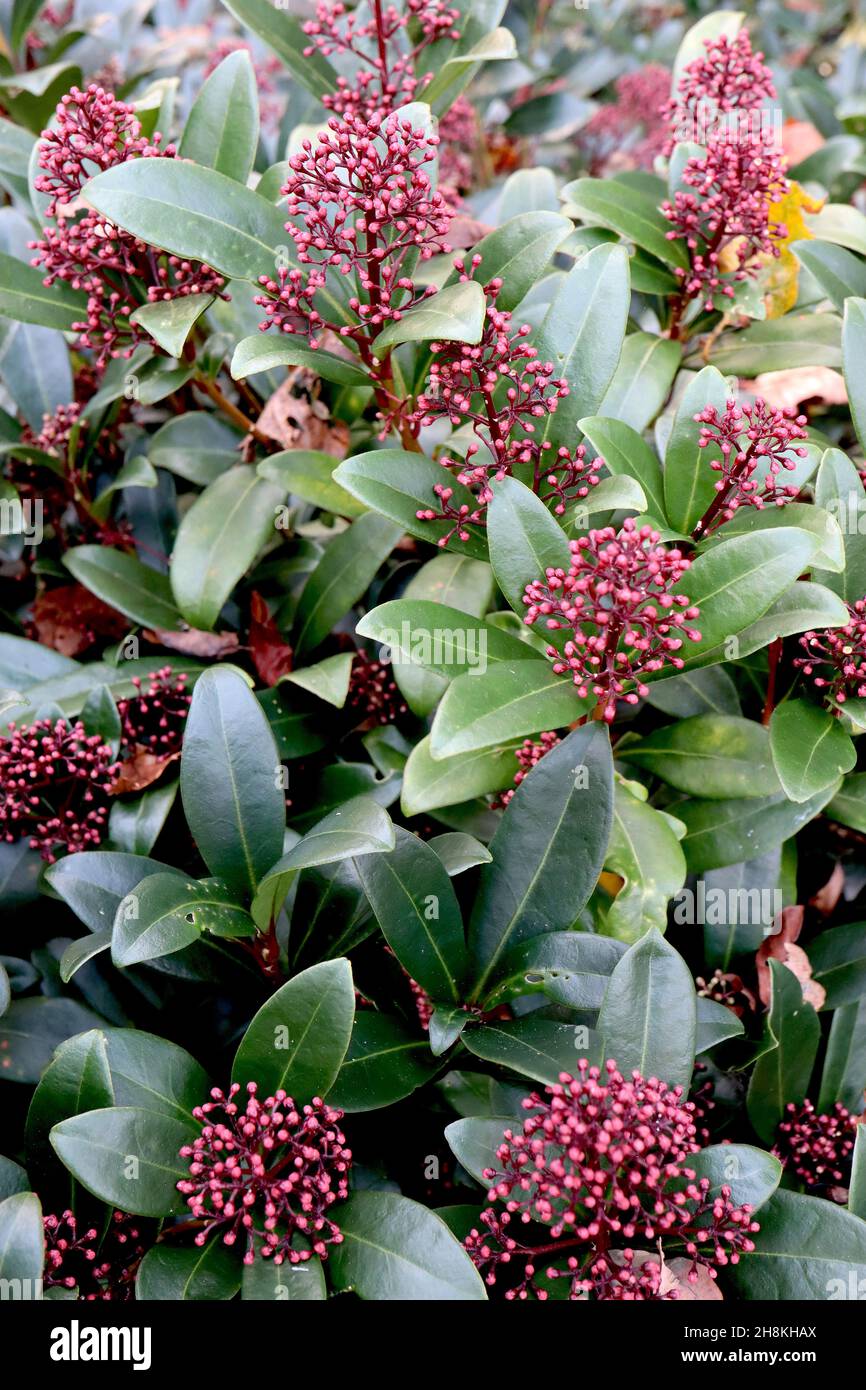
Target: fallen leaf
{"points": [[780, 946], [791, 388], [827, 897], [69, 619], [296, 419], [272, 656], [465, 232], [799, 140], [140, 770], [192, 642]]}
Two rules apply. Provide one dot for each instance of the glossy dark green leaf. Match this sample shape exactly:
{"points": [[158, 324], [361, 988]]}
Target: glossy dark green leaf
{"points": [[152, 1073], [455, 314], [644, 852], [341, 577], [547, 852], [524, 538], [751, 1174], [648, 1018], [838, 961], [507, 702], [711, 756], [857, 1190], [474, 1142], [399, 484], [21, 1246], [282, 32], [689, 481], [642, 381], [299, 1037], [232, 795], [627, 210], [709, 691], [32, 1028], [192, 212], [853, 348], [394, 1249], [222, 128], [454, 580], [430, 783], [384, 1064], [417, 910], [533, 1047], [265, 1282], [837, 271], [439, 638], [796, 340], [810, 748], [135, 822], [845, 1059], [170, 324], [807, 1249], [78, 1079], [210, 1273], [127, 1157], [123, 582], [165, 913], [93, 882], [459, 851], [627, 455], [570, 967], [519, 251], [218, 540], [582, 335], [259, 353], [728, 832], [782, 1072], [25, 299]]}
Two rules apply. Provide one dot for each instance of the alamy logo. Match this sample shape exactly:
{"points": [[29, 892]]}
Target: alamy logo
{"points": [[76, 1343]]}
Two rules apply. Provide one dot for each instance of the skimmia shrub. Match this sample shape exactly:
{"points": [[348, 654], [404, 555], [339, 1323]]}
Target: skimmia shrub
{"points": [[433, 667]]}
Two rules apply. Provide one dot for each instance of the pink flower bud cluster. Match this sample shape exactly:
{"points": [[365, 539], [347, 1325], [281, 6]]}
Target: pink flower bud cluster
{"points": [[727, 77], [101, 1270], [155, 718], [266, 1172], [617, 598], [723, 214], [56, 432], [55, 780], [756, 441], [528, 754], [373, 692], [817, 1148], [361, 204], [601, 1163], [384, 53], [465, 388], [840, 654], [630, 130], [95, 132], [459, 135]]}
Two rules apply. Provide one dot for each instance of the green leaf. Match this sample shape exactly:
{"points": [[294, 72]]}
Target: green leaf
{"points": [[399, 484], [525, 540], [135, 823], [533, 1047], [32, 1028], [299, 1037], [506, 703], [153, 1074], [282, 33], [806, 1249], [782, 1072], [328, 679], [547, 852], [845, 1059], [78, 1079], [169, 324], [715, 756], [22, 1245], [127, 1157], [839, 490], [751, 1174], [853, 348], [644, 851], [519, 251], [710, 691], [394, 1249], [439, 638], [458, 582], [93, 882], [838, 272], [627, 210], [430, 783], [260, 353], [689, 481], [857, 1190], [79, 952], [459, 851], [193, 212], [195, 446], [417, 910], [453, 315], [222, 128], [810, 748], [570, 967], [460, 68], [582, 335], [648, 1018], [474, 1142], [232, 797], [848, 806], [357, 827], [805, 516], [219, 538], [797, 340], [641, 383], [165, 913], [123, 582], [729, 832], [805, 606], [384, 1064], [24, 297], [265, 1282], [838, 959], [308, 474], [735, 583], [344, 572], [210, 1273], [627, 455]]}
